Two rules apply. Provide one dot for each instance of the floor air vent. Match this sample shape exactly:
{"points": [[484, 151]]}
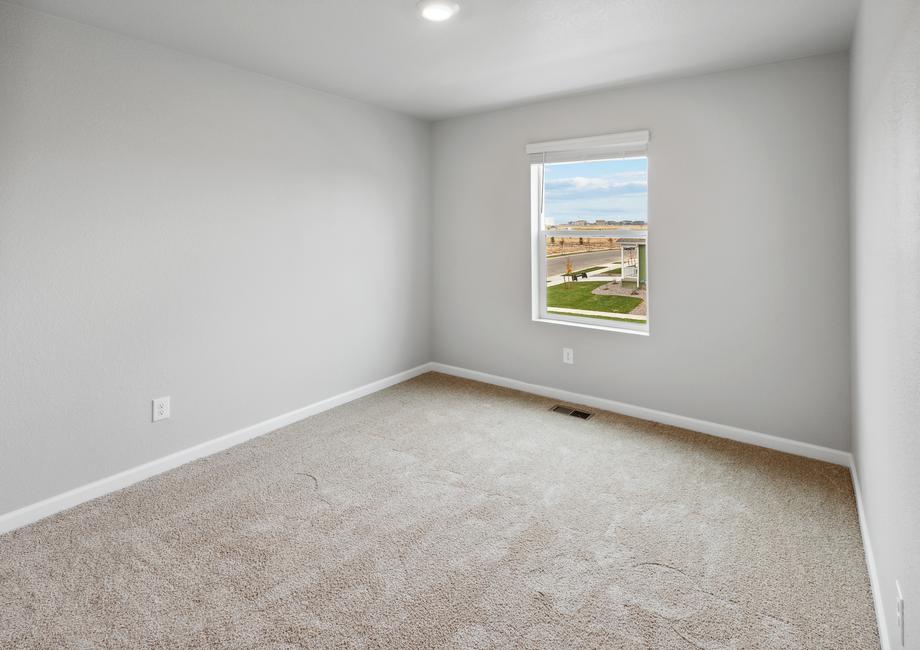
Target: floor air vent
{"points": [[565, 410]]}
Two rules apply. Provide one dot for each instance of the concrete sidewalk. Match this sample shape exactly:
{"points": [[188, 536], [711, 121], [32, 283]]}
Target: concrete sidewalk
{"points": [[592, 277]]}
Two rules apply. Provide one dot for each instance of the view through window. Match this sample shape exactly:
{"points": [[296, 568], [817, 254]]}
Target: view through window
{"points": [[593, 236]]}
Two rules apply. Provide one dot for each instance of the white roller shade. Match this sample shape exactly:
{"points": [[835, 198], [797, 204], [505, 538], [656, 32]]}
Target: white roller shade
{"points": [[613, 145]]}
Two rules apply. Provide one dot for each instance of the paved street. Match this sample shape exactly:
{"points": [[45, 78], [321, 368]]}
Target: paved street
{"points": [[556, 265]]}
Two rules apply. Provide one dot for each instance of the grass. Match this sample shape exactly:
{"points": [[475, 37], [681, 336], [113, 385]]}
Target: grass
{"points": [[587, 270], [577, 295], [622, 320], [616, 271]]}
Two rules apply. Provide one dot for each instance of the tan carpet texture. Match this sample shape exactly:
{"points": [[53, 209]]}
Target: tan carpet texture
{"points": [[447, 513]]}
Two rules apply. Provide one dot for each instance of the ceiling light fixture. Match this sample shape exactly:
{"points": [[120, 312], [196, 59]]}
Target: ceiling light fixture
{"points": [[438, 10]]}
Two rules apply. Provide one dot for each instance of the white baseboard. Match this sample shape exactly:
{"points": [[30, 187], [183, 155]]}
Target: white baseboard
{"points": [[870, 561], [32, 513], [719, 430]]}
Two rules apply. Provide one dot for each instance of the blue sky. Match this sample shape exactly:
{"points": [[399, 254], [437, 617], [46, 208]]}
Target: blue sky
{"points": [[600, 189]]}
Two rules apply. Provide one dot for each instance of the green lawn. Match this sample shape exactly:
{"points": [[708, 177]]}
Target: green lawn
{"points": [[616, 271], [577, 295], [587, 270]]}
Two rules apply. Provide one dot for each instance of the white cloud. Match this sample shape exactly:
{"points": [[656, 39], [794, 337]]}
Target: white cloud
{"points": [[581, 183], [625, 180]]}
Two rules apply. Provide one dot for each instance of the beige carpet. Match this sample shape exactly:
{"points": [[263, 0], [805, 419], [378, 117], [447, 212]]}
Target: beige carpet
{"points": [[446, 513]]}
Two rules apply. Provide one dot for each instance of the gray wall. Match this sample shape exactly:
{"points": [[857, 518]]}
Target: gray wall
{"points": [[171, 226], [748, 178], [886, 295]]}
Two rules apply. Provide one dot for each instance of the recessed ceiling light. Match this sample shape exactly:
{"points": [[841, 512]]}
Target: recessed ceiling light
{"points": [[438, 10]]}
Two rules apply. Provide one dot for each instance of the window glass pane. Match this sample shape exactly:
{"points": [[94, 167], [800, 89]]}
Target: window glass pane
{"points": [[595, 220]]}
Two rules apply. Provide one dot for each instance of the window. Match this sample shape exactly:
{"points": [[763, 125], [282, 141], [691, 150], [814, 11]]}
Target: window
{"points": [[589, 205]]}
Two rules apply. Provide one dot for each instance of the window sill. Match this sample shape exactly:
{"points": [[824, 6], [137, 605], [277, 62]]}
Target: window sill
{"points": [[603, 328]]}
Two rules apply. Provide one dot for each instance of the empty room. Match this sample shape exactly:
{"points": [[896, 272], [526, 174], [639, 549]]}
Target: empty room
{"points": [[475, 324]]}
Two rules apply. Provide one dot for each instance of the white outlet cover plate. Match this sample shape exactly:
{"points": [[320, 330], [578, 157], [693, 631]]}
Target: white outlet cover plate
{"points": [[160, 408]]}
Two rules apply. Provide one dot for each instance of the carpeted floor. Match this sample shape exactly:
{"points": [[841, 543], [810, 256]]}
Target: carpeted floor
{"points": [[446, 513]]}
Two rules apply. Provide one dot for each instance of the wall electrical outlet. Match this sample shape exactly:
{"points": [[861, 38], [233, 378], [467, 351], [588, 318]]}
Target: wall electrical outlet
{"points": [[160, 408], [568, 355], [900, 611]]}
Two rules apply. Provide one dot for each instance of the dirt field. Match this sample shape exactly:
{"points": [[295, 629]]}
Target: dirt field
{"points": [[568, 245], [563, 245]]}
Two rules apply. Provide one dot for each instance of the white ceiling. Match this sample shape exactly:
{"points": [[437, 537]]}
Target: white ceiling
{"points": [[494, 53]]}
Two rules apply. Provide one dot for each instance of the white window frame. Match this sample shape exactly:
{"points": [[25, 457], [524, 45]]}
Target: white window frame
{"points": [[615, 145]]}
